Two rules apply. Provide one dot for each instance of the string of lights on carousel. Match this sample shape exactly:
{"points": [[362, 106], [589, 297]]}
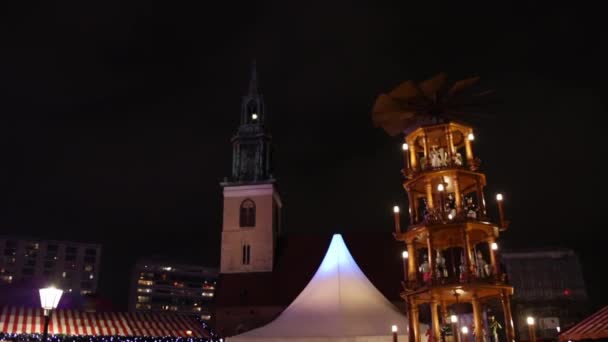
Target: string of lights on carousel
{"points": [[89, 338]]}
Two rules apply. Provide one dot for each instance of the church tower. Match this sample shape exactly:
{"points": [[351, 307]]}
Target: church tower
{"points": [[252, 205]]}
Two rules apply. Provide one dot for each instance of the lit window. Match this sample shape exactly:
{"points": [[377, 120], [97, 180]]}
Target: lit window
{"points": [[63, 274], [143, 299], [85, 292], [207, 294], [140, 290], [247, 214], [145, 282], [88, 268], [167, 268]]}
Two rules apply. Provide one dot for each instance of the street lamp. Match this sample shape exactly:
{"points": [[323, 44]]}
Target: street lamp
{"points": [[531, 330], [49, 299], [394, 330]]}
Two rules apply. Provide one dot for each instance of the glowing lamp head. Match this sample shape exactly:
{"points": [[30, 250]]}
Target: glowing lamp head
{"points": [[396, 209], [499, 197], [450, 216], [494, 246], [530, 320], [405, 146], [49, 297], [465, 330], [254, 116], [405, 255], [471, 136], [558, 329], [394, 328], [454, 319], [440, 187], [188, 332]]}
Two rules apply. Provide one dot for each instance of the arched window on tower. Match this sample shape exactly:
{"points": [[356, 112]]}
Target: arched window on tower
{"points": [[247, 215], [246, 254]]}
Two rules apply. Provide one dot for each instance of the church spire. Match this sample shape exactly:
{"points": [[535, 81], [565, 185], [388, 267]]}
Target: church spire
{"points": [[253, 81], [252, 108], [251, 159]]}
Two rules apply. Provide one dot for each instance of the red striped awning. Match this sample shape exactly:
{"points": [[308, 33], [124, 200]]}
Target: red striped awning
{"points": [[592, 327], [17, 320]]}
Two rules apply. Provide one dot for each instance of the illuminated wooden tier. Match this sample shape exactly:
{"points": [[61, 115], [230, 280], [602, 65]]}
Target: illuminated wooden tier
{"points": [[451, 240]]}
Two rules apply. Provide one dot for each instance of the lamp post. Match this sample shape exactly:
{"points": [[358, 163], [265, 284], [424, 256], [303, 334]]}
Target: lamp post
{"points": [[405, 255], [454, 321], [49, 299], [531, 328], [394, 330]]}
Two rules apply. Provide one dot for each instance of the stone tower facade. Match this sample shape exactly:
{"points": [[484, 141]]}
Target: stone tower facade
{"points": [[252, 205]]}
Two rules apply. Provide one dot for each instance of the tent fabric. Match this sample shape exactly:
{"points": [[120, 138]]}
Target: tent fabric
{"points": [[592, 327], [339, 304], [18, 320]]}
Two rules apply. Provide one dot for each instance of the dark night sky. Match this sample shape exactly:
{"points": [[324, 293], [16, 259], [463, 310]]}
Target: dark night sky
{"points": [[116, 117]]}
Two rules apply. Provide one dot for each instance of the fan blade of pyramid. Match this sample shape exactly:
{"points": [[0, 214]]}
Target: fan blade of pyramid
{"points": [[434, 85]]}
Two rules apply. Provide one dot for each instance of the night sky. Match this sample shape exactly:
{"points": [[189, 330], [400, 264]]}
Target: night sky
{"points": [[116, 117]]}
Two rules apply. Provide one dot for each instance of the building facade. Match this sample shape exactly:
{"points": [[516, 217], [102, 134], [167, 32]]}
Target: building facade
{"points": [[252, 205], [72, 266], [161, 286], [549, 286]]}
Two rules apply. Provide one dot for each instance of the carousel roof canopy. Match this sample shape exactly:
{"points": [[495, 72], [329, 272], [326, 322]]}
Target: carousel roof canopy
{"points": [[338, 304], [21, 320], [591, 328]]}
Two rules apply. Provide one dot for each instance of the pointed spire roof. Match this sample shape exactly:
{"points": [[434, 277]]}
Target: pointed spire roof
{"points": [[338, 302], [253, 81]]}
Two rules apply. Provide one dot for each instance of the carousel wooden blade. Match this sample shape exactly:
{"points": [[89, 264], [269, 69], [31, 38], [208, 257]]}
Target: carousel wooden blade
{"points": [[457, 115], [385, 103], [433, 86], [462, 85], [406, 90], [385, 118]]}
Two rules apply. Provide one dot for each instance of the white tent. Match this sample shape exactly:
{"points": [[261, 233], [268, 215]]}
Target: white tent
{"points": [[339, 304]]}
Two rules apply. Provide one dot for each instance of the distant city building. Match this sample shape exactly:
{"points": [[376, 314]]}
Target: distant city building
{"points": [[166, 286], [549, 286], [72, 266]]}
